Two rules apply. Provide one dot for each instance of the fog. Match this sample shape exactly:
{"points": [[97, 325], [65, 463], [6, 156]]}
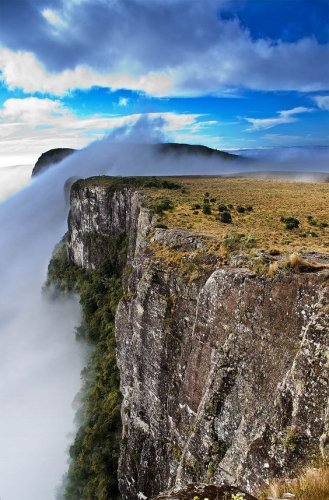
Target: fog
{"points": [[13, 178], [40, 361]]}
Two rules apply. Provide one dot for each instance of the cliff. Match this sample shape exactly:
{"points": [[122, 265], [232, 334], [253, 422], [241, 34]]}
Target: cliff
{"points": [[223, 371]]}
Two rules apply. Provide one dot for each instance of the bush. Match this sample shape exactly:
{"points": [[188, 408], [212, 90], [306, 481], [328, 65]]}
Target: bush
{"points": [[225, 217], [159, 205], [206, 209], [238, 241], [222, 208], [290, 223], [240, 209], [212, 200], [196, 206]]}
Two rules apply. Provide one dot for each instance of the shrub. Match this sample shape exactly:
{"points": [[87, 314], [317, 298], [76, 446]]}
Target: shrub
{"points": [[159, 205], [212, 200], [225, 217], [206, 195], [311, 220], [161, 226], [240, 209], [196, 206], [238, 241], [222, 208], [206, 209], [290, 223], [249, 208]]}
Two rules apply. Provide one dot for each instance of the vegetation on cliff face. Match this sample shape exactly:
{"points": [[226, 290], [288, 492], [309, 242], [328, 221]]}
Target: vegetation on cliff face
{"points": [[115, 183], [95, 451]]}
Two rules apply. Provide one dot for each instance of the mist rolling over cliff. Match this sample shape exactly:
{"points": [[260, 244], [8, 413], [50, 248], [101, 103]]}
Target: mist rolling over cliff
{"points": [[164, 249], [40, 360]]}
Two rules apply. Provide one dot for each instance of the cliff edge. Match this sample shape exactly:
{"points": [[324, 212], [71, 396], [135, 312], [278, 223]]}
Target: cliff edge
{"points": [[223, 370]]}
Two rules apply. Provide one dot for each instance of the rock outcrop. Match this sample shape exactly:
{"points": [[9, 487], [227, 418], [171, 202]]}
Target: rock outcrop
{"points": [[224, 373]]}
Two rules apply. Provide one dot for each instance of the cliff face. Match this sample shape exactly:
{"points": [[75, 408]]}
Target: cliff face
{"points": [[223, 372]]}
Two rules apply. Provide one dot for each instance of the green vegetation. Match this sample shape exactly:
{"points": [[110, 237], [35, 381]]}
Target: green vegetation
{"points": [[290, 222], [206, 208], [225, 217], [95, 451], [222, 208], [291, 439], [237, 241], [159, 205], [115, 183], [240, 209]]}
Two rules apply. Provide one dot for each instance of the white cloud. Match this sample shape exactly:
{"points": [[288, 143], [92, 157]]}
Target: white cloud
{"points": [[23, 70], [53, 18], [32, 110], [123, 101], [322, 101], [32, 125], [286, 116], [231, 61]]}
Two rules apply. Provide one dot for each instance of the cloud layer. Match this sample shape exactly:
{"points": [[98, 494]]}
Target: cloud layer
{"points": [[32, 125], [161, 48]]}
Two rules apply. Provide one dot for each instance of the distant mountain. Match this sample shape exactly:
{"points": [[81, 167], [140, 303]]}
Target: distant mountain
{"points": [[50, 157], [181, 149], [54, 156]]}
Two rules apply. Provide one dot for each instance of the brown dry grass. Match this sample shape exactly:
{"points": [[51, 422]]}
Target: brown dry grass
{"points": [[271, 200], [311, 484]]}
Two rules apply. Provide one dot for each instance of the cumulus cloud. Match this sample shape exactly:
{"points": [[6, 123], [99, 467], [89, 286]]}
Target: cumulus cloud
{"points": [[286, 116], [161, 48], [32, 125], [322, 101]]}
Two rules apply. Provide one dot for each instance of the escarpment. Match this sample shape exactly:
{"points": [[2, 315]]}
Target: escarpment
{"points": [[223, 372]]}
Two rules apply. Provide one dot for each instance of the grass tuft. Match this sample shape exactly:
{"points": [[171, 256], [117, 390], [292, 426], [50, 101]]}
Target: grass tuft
{"points": [[311, 484]]}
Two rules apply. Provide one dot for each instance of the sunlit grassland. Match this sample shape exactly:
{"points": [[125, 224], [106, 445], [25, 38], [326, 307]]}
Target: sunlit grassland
{"points": [[270, 199]]}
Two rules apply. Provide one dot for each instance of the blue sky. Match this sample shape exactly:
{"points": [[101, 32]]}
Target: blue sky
{"points": [[224, 73]]}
